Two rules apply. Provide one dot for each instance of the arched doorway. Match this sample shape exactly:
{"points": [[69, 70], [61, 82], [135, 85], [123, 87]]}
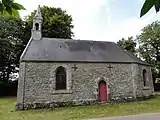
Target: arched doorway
{"points": [[102, 88]]}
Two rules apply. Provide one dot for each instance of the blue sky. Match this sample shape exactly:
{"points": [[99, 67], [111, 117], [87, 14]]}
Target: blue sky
{"points": [[102, 20]]}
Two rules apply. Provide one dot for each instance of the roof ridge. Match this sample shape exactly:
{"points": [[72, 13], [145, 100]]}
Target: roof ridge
{"points": [[77, 40]]}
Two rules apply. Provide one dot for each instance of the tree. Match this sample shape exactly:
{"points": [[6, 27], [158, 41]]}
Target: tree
{"points": [[128, 44], [56, 22], [148, 5], [149, 45], [11, 36], [9, 7], [15, 34]]}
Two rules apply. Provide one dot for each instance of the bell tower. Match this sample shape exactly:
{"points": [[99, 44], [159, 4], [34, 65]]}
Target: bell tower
{"points": [[37, 25]]}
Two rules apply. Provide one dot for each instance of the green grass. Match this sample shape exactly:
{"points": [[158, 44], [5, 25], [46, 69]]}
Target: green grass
{"points": [[8, 112]]}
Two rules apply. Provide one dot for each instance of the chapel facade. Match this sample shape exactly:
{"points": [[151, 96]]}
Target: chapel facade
{"points": [[59, 72]]}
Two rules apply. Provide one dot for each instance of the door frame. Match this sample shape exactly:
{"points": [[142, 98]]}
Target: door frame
{"points": [[96, 85], [106, 90]]}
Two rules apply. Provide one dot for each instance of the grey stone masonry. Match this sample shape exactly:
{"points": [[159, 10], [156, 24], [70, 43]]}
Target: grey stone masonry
{"points": [[37, 25], [36, 87]]}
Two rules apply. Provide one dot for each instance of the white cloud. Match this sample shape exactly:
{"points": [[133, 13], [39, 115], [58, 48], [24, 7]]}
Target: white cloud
{"points": [[92, 18], [84, 13], [128, 27], [131, 26]]}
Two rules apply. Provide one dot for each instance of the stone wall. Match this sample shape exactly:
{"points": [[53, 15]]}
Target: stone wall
{"points": [[123, 81], [142, 90]]}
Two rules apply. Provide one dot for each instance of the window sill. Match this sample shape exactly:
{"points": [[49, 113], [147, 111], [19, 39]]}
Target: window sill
{"points": [[62, 92], [146, 88]]}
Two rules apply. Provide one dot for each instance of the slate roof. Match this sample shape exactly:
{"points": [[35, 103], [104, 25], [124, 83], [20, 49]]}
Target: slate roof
{"points": [[68, 50], [136, 58]]}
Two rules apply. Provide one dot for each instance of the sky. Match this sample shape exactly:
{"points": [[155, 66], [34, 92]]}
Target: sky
{"points": [[101, 20]]}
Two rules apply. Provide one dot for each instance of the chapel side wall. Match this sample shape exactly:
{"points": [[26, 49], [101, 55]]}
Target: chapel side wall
{"points": [[40, 83], [87, 76], [82, 83], [37, 83], [141, 90]]}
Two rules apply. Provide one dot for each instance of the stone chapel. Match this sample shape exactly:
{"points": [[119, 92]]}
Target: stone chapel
{"points": [[58, 72]]}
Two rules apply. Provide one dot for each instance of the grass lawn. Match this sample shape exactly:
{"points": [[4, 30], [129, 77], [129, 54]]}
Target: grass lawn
{"points": [[7, 110]]}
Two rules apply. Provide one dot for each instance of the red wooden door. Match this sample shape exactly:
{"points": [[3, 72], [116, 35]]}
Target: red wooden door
{"points": [[103, 91]]}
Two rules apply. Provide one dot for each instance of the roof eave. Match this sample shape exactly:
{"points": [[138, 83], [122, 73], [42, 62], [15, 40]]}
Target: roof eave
{"points": [[114, 62]]}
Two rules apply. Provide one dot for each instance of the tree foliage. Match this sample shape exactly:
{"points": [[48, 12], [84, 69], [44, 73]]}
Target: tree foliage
{"points": [[15, 34], [149, 45], [11, 36], [148, 5], [128, 44], [9, 7], [56, 22]]}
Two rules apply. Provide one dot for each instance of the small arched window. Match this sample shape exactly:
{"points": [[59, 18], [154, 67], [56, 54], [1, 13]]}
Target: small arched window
{"points": [[144, 77], [60, 78], [37, 26]]}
